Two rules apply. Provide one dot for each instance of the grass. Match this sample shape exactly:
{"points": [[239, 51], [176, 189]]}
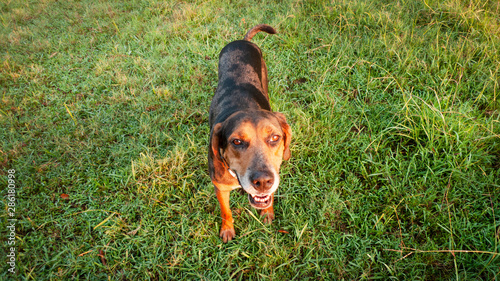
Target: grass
{"points": [[395, 112]]}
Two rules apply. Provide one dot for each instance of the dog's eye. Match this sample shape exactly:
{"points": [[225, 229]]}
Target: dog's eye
{"points": [[275, 138], [237, 142]]}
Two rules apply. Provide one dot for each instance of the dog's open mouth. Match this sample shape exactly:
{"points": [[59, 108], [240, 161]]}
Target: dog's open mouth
{"points": [[260, 201]]}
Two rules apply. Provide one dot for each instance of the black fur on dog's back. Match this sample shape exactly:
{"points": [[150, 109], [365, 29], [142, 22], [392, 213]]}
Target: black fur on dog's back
{"points": [[242, 78]]}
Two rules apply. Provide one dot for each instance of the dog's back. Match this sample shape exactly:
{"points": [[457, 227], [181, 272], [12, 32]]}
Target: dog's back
{"points": [[242, 73]]}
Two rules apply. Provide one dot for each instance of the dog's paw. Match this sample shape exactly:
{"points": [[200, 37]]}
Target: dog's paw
{"points": [[227, 234], [268, 216]]}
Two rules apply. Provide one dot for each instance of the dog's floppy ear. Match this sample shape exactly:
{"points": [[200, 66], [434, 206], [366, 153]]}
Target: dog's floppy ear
{"points": [[218, 169], [287, 134]]}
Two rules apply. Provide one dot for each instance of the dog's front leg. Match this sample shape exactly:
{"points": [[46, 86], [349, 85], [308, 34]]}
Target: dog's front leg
{"points": [[227, 229]]}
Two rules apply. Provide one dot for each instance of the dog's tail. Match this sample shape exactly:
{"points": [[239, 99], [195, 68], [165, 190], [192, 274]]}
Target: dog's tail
{"points": [[261, 27]]}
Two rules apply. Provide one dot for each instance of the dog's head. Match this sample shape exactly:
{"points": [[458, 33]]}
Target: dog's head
{"points": [[250, 145]]}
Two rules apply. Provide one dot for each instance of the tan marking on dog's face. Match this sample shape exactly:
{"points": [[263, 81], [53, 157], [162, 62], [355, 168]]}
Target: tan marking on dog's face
{"points": [[255, 148]]}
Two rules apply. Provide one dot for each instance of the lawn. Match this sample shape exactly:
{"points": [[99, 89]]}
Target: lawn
{"points": [[395, 113]]}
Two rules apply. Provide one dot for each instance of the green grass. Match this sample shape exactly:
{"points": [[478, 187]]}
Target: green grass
{"points": [[395, 112]]}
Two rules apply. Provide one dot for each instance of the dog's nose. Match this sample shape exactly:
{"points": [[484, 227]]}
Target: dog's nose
{"points": [[262, 180]]}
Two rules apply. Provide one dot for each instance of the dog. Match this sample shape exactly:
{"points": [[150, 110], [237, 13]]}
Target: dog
{"points": [[248, 141]]}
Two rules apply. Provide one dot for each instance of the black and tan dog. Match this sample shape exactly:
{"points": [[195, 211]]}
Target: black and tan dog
{"points": [[247, 140]]}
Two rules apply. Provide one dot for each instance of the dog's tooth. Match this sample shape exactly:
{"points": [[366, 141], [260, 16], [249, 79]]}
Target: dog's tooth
{"points": [[260, 198]]}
